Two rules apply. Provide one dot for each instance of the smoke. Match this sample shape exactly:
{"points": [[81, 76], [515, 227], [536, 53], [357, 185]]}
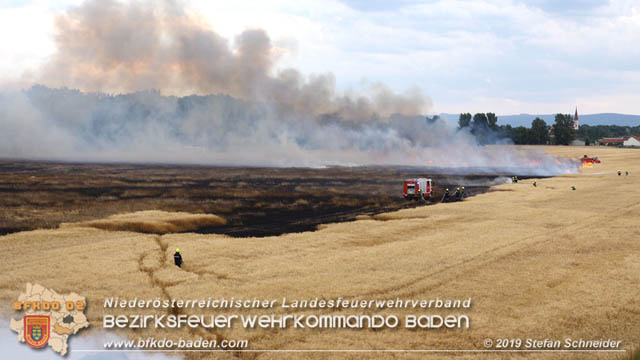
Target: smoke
{"points": [[259, 115], [135, 46]]}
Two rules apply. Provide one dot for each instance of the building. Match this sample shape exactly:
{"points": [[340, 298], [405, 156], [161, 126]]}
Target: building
{"points": [[611, 141], [632, 141], [576, 123], [622, 141]]}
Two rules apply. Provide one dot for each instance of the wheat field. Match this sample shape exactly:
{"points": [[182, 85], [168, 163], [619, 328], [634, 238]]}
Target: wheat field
{"points": [[538, 262], [151, 221]]}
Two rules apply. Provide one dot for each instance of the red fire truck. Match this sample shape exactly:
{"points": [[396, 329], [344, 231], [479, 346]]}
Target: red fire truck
{"points": [[590, 160], [416, 189]]}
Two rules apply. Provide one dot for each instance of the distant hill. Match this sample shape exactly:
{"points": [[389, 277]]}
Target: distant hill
{"points": [[587, 119]]}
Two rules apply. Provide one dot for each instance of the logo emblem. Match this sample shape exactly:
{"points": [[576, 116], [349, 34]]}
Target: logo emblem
{"points": [[36, 330]]}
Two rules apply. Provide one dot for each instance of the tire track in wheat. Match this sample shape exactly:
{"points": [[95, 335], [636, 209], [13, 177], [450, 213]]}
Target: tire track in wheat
{"points": [[208, 334]]}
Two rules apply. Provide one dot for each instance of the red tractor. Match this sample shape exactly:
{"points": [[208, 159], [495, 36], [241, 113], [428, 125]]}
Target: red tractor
{"points": [[416, 189]]}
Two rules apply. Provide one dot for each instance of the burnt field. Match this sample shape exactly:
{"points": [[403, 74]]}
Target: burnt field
{"points": [[254, 201]]}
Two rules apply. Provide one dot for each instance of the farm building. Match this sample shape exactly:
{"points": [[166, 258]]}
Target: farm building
{"points": [[611, 141], [622, 141], [632, 141]]}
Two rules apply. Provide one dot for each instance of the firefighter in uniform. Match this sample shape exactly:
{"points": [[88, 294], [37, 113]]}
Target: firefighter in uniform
{"points": [[456, 195], [177, 258], [446, 195]]}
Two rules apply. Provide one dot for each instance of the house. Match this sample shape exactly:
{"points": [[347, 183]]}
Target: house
{"points": [[611, 141], [632, 141]]}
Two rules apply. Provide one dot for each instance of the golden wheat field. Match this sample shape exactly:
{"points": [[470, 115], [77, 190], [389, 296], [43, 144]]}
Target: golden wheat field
{"points": [[543, 262]]}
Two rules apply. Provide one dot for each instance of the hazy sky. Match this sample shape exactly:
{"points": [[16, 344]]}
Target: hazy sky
{"points": [[509, 57]]}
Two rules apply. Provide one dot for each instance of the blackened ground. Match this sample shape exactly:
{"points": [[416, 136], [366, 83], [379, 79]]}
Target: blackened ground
{"points": [[255, 201]]}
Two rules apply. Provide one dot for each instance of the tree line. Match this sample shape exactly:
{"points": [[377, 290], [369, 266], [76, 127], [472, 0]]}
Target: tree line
{"points": [[486, 130], [539, 133]]}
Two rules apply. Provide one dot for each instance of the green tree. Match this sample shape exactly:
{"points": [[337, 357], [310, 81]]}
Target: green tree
{"points": [[492, 121], [520, 135], [563, 129], [480, 122], [480, 128], [539, 132], [464, 120]]}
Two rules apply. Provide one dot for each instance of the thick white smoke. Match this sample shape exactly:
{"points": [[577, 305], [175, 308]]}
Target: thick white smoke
{"points": [[260, 115]]}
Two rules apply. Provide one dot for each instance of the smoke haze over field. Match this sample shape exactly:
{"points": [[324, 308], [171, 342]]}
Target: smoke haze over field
{"points": [[261, 116]]}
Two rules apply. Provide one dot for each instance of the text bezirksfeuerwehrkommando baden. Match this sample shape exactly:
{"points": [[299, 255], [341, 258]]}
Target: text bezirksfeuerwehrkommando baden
{"points": [[341, 321], [314, 303]]}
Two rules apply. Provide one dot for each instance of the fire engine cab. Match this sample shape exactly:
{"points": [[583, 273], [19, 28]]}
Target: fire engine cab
{"points": [[420, 188]]}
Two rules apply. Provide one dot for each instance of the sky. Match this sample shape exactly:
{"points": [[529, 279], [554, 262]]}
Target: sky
{"points": [[503, 56]]}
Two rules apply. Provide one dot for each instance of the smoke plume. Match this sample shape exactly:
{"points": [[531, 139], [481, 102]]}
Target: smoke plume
{"points": [[128, 47], [154, 54]]}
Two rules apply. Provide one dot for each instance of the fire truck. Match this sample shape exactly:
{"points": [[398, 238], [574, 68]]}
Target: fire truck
{"points": [[416, 189], [590, 160]]}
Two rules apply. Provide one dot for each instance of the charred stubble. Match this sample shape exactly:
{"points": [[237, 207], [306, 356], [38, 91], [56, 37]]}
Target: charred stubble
{"points": [[254, 201]]}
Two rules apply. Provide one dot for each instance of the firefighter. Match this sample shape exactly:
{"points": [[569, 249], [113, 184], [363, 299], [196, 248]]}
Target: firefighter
{"points": [[462, 193], [456, 195], [445, 198], [177, 258]]}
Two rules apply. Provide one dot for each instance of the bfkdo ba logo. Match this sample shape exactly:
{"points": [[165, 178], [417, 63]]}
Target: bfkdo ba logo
{"points": [[36, 330], [48, 319]]}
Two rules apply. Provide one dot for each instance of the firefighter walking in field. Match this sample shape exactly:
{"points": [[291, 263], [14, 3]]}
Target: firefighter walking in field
{"points": [[177, 258], [456, 195]]}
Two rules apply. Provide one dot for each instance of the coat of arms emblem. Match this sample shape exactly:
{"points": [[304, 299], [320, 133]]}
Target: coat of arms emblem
{"points": [[36, 330]]}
